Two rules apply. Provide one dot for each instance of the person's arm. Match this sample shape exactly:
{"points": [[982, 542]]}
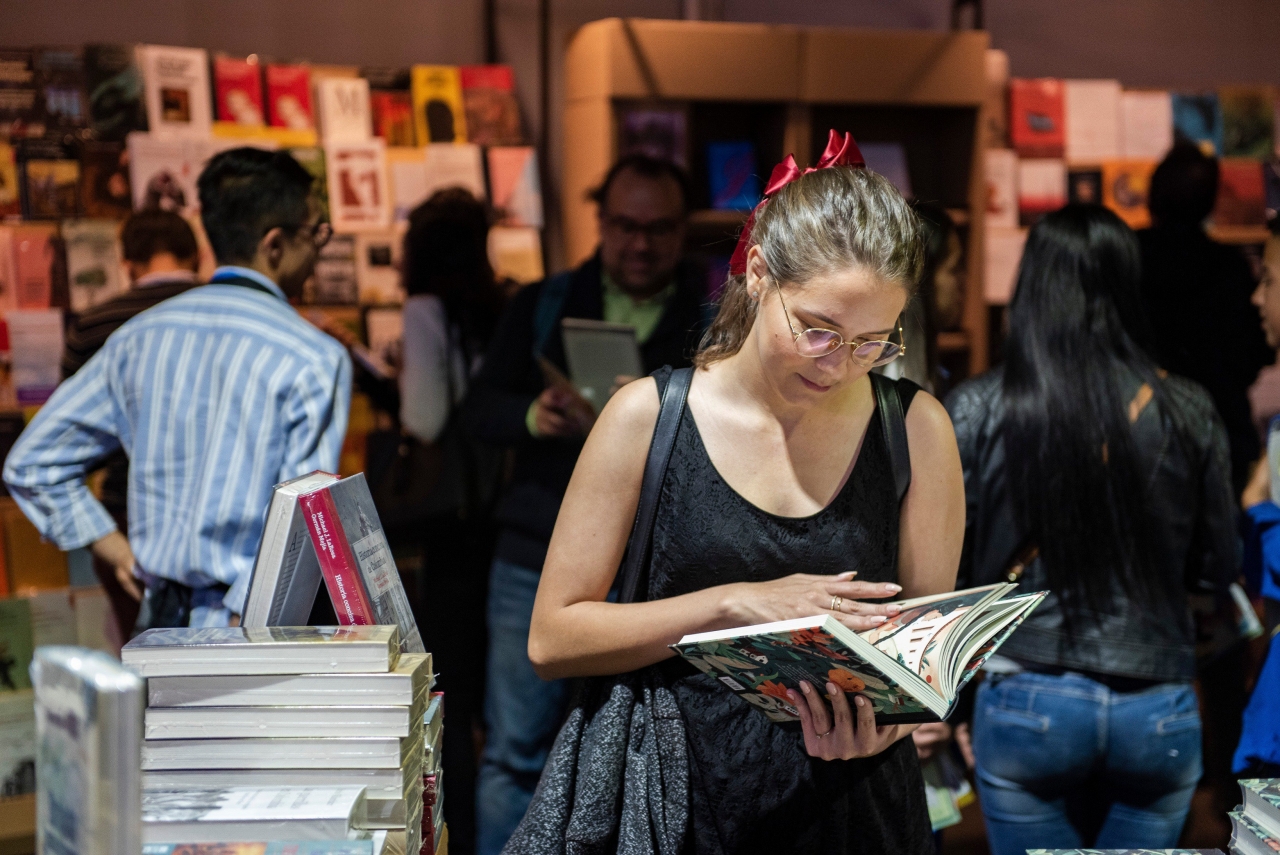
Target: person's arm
{"points": [[931, 530], [425, 401], [575, 632]]}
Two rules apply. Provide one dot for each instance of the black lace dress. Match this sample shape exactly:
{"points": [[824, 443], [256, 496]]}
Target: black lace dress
{"points": [[752, 786]]}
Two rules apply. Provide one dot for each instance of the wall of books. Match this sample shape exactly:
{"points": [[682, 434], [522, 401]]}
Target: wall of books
{"points": [[1050, 141]]}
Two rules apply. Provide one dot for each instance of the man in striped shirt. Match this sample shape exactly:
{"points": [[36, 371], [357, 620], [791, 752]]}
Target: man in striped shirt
{"points": [[215, 395]]}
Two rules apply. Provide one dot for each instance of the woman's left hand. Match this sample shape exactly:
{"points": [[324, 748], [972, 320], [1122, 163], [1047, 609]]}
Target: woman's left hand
{"points": [[846, 736]]}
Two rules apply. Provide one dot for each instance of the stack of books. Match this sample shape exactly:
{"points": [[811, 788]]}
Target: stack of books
{"points": [[289, 709], [433, 829], [1255, 825]]}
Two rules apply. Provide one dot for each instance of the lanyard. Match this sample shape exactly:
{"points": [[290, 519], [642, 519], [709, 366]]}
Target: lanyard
{"points": [[243, 282]]}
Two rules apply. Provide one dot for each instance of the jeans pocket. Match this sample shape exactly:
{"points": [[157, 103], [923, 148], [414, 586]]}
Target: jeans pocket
{"points": [[1178, 723], [1018, 718]]}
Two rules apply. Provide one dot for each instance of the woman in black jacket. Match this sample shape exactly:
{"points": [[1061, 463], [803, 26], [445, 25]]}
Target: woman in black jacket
{"points": [[1109, 480]]}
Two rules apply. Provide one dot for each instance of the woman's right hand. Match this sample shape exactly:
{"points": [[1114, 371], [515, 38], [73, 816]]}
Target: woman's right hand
{"points": [[805, 595]]}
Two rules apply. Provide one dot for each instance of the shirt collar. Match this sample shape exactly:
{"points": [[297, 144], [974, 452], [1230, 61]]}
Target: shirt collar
{"points": [[247, 273], [165, 277], [660, 299]]}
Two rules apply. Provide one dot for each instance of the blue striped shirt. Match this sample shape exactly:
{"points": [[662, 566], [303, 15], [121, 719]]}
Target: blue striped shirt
{"points": [[216, 395]]}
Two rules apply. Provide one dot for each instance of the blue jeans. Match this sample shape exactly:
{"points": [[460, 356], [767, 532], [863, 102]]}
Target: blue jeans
{"points": [[522, 712], [1064, 762]]}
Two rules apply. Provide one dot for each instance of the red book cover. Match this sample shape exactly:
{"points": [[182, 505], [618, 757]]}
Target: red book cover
{"points": [[1242, 195], [237, 87], [392, 116], [489, 98], [1036, 117], [289, 97], [337, 562]]}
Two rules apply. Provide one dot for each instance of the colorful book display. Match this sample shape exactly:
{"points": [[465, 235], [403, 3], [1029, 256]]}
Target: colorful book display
{"points": [[238, 87], [439, 113]]}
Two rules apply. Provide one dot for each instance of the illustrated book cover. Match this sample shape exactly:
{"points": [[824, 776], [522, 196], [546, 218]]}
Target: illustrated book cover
{"points": [[237, 84], [911, 667], [1037, 108], [176, 85], [514, 187], [489, 96], [114, 91], [439, 113], [289, 97]]}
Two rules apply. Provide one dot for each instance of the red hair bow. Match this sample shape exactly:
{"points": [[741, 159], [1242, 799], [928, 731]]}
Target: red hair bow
{"points": [[841, 150]]}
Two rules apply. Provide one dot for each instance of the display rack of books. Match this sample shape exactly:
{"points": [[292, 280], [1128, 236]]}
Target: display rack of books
{"points": [[730, 100], [1049, 141]]}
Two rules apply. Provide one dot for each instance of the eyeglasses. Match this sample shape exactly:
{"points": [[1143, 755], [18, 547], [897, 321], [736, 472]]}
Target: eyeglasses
{"points": [[817, 342], [318, 233], [630, 229]]}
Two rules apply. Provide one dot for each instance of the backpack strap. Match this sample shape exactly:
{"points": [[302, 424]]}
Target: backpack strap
{"points": [[894, 424], [548, 308], [636, 562]]}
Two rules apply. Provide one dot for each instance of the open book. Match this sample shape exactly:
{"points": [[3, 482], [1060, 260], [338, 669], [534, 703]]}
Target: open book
{"points": [[911, 667]]}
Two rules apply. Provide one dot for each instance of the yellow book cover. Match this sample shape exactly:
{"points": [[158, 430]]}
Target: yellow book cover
{"points": [[438, 113], [1124, 189]]}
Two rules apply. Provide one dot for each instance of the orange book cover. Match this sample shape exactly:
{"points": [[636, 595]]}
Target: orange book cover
{"points": [[1037, 126], [1124, 190]]}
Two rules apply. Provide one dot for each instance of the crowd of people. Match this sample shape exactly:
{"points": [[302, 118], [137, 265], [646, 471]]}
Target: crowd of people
{"points": [[1112, 459]]}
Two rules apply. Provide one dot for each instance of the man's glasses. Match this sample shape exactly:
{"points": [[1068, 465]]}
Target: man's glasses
{"points": [[816, 342], [318, 233], [654, 230]]}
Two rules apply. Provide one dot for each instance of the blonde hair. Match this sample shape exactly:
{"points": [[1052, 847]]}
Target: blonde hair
{"points": [[826, 221]]}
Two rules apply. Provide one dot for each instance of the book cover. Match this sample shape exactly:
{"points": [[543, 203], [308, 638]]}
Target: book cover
{"points": [[516, 254], [363, 752], [60, 79], [407, 180], [176, 85], [1084, 186], [163, 171], [1197, 119], [658, 132], [17, 743], [277, 722], [454, 165], [357, 178], [289, 97], [1001, 168], [731, 175], [286, 572], [94, 264], [1248, 836], [49, 175], [342, 110], [378, 267], [1091, 110], [392, 116], [439, 114], [247, 814], [186, 652], [1124, 190], [21, 113], [16, 644], [489, 96], [33, 260], [1042, 187], [342, 575], [1242, 197], [10, 192], [1262, 803], [357, 527], [910, 667], [514, 187], [35, 337], [114, 91], [104, 180], [1036, 117], [237, 85], [1248, 121], [333, 282], [88, 712], [1146, 124]]}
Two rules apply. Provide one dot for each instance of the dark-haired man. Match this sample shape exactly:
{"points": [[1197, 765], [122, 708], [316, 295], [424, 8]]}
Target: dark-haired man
{"points": [[215, 395], [636, 277], [1197, 294]]}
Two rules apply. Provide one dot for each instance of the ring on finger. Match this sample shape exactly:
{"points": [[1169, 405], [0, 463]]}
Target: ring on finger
{"points": [[835, 603], [828, 733]]}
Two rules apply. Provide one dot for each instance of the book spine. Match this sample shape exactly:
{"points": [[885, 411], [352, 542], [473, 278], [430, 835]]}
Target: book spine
{"points": [[337, 563]]}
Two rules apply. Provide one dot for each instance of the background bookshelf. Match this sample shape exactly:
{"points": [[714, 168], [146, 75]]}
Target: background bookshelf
{"points": [[782, 88]]}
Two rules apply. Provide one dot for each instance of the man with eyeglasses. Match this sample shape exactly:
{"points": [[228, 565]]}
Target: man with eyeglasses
{"points": [[636, 277], [214, 395]]}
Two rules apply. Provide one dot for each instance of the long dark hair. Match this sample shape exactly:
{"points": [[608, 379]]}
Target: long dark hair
{"points": [[1076, 346], [936, 229], [446, 254]]}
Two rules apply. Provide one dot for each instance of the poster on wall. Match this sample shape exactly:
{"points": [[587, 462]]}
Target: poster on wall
{"points": [[358, 185]]}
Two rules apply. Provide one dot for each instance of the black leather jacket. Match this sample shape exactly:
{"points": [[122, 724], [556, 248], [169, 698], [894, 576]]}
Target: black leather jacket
{"points": [[1190, 501]]}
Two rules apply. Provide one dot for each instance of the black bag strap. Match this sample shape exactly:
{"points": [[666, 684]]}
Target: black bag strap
{"points": [[636, 561], [894, 424]]}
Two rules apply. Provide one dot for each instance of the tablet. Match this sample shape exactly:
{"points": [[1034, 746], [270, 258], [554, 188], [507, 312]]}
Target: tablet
{"points": [[596, 353]]}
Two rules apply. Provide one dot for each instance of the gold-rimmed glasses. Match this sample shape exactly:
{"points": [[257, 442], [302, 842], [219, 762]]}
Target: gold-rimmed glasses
{"points": [[816, 342]]}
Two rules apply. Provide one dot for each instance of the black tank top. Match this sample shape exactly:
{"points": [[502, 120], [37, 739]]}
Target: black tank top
{"points": [[752, 786]]}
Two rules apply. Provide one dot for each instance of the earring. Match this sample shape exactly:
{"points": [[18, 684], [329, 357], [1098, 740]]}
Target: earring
{"points": [[755, 295]]}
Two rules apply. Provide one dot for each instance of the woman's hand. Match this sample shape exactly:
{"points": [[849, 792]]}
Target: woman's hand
{"points": [[841, 737], [805, 595]]}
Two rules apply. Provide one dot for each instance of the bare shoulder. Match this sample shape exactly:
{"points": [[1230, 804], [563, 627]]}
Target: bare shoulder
{"points": [[928, 423], [626, 424]]}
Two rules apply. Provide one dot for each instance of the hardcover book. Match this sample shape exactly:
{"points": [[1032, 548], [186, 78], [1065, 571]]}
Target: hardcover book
{"points": [[237, 85], [357, 173], [1262, 803], [342, 110], [247, 814], [1146, 124], [379, 784], [1036, 117], [731, 172], [1248, 837], [276, 722], [438, 111], [88, 732], [289, 97], [356, 561], [911, 668], [94, 264], [489, 95], [298, 753], [1124, 190], [113, 87], [1197, 119], [263, 650], [18, 743], [286, 575], [176, 83], [514, 187], [1091, 109]]}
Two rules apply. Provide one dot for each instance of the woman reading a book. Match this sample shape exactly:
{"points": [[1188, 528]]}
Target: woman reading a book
{"points": [[779, 501], [1094, 474]]}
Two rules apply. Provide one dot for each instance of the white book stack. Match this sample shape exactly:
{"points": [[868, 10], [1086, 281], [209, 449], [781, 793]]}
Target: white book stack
{"points": [[305, 709], [1255, 825]]}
